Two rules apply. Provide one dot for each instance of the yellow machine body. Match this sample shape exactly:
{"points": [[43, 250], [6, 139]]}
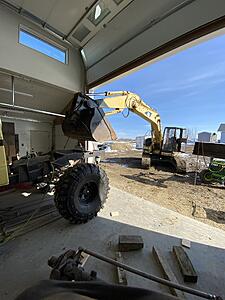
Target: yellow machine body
{"points": [[4, 177]]}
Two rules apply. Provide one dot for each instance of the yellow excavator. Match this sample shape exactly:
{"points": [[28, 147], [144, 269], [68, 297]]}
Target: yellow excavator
{"points": [[81, 190], [85, 120]]}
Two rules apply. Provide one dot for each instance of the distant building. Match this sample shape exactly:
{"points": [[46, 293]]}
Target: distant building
{"points": [[222, 130], [140, 142], [207, 137]]}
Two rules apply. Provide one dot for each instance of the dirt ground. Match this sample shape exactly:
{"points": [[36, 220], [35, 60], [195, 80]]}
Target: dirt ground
{"points": [[177, 192]]}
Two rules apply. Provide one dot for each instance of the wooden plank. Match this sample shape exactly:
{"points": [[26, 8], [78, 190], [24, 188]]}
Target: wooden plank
{"points": [[167, 272], [121, 273], [187, 270], [186, 243], [130, 243]]}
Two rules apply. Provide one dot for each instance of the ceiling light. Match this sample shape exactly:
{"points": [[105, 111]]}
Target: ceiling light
{"points": [[98, 11], [16, 92]]}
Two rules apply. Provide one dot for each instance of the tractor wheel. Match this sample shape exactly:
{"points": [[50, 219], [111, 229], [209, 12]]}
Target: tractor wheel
{"points": [[206, 176], [81, 192]]}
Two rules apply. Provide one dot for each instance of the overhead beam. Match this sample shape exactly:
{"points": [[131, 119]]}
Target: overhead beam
{"points": [[14, 107]]}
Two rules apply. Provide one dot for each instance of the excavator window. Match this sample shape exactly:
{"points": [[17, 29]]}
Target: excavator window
{"points": [[173, 139]]}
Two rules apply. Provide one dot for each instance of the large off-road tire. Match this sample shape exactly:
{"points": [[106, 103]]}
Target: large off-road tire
{"points": [[81, 192], [206, 176]]}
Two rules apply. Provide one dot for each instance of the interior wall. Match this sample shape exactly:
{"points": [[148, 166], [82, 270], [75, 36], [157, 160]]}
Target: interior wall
{"points": [[22, 60], [24, 130]]}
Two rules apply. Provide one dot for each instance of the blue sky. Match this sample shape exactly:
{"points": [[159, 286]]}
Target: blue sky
{"points": [[42, 46], [187, 89]]}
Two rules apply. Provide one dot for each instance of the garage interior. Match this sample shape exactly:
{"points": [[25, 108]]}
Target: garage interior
{"points": [[101, 41]]}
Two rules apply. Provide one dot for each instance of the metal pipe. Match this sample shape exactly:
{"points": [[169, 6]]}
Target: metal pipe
{"points": [[13, 91], [150, 276], [22, 108], [108, 94], [25, 119]]}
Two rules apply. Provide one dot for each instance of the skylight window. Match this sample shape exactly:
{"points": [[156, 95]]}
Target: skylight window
{"points": [[46, 47], [98, 13]]}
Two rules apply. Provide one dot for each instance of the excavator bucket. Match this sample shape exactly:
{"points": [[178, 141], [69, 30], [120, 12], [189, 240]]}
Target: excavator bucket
{"points": [[85, 120]]}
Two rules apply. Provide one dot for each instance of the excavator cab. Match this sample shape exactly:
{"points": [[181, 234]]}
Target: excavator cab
{"points": [[174, 139], [171, 151]]}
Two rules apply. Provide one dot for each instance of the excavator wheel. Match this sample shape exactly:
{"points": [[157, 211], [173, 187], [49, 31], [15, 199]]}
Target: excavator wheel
{"points": [[81, 192]]}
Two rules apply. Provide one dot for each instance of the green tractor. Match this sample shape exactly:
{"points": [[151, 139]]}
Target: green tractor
{"points": [[214, 173]]}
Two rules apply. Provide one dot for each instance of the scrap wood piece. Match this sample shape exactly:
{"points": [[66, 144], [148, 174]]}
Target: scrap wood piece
{"points": [[130, 243], [186, 243], [121, 273], [167, 272], [114, 213], [187, 270]]}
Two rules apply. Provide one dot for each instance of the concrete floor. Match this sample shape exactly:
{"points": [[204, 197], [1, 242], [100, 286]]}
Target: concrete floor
{"points": [[23, 261]]}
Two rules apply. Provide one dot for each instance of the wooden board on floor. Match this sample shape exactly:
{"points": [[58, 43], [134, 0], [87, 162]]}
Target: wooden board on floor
{"points": [[121, 273], [130, 243], [187, 270], [167, 272]]}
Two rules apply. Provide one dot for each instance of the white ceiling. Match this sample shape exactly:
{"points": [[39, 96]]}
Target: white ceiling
{"points": [[61, 14], [64, 15]]}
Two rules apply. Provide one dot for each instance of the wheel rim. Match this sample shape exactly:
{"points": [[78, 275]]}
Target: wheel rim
{"points": [[88, 193], [208, 176]]}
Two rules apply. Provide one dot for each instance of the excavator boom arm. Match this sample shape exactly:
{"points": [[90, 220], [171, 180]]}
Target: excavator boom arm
{"points": [[120, 100], [85, 118]]}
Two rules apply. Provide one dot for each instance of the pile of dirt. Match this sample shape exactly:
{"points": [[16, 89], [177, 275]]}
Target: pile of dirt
{"points": [[121, 146], [176, 192]]}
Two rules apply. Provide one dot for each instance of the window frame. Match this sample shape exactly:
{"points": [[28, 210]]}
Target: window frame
{"points": [[44, 39]]}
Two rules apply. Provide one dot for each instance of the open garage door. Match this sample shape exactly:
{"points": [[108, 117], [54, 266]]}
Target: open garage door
{"points": [[111, 36], [145, 30]]}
